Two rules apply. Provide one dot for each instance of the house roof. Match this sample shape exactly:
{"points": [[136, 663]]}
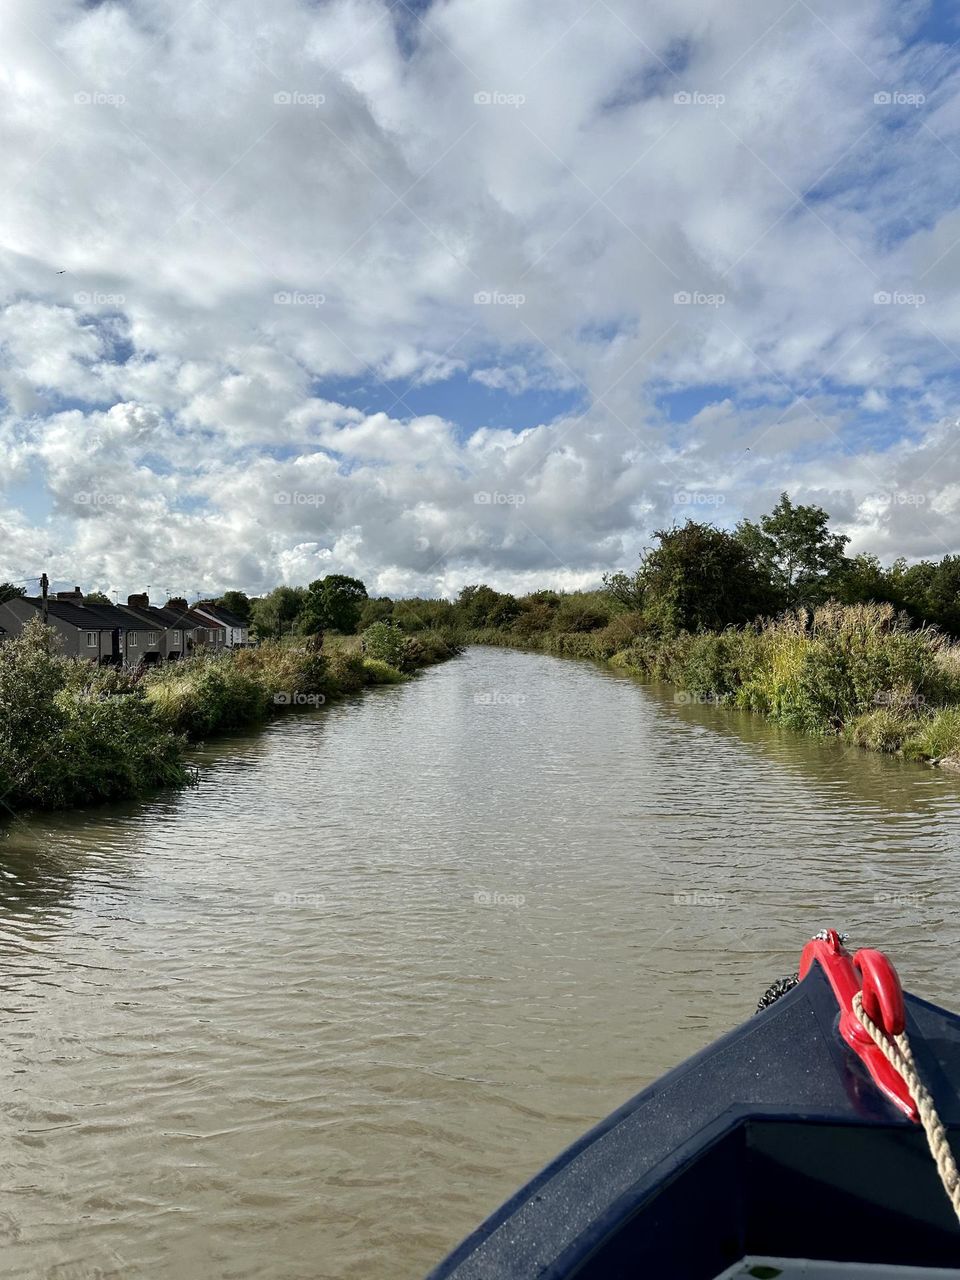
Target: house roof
{"points": [[89, 617], [164, 617], [223, 616], [158, 619], [207, 623], [99, 617]]}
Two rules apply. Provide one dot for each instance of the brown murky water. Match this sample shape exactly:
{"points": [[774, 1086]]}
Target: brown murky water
{"points": [[318, 1016]]}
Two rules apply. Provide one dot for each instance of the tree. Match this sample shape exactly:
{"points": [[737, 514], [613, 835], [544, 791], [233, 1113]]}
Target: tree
{"points": [[503, 611], [333, 603], [96, 597], [424, 615], [624, 589], [795, 549], [581, 612], [276, 612], [860, 580], [700, 578], [377, 609], [237, 602], [929, 591], [481, 606], [10, 592]]}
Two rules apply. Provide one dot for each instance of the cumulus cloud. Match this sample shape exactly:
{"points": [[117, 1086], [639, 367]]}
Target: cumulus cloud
{"points": [[468, 291]]}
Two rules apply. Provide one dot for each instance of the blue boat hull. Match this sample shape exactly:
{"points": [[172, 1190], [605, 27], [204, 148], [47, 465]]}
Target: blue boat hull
{"points": [[772, 1141]]}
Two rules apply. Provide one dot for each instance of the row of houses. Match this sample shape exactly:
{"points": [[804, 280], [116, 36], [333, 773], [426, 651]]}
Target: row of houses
{"points": [[137, 633]]}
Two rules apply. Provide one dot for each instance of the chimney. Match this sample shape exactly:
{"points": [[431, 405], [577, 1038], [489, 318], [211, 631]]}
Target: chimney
{"points": [[75, 594], [177, 602], [141, 601]]}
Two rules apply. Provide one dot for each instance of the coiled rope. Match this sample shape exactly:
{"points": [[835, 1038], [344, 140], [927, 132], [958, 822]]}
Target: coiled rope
{"points": [[899, 1054]]}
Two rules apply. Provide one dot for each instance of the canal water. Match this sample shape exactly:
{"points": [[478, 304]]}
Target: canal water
{"points": [[317, 1016]]}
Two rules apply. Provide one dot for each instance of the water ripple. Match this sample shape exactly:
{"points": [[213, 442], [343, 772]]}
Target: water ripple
{"points": [[317, 1016]]}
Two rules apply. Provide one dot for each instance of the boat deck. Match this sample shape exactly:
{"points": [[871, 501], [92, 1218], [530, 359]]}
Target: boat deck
{"points": [[795, 1268]]}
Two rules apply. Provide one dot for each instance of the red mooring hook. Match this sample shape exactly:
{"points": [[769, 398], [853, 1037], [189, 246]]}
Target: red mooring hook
{"points": [[872, 973]]}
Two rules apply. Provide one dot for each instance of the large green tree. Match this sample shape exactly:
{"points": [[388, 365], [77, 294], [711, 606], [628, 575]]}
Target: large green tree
{"points": [[700, 578], [237, 602], [480, 606], [275, 614], [377, 609], [333, 603], [859, 580], [9, 592], [928, 590], [794, 548]]}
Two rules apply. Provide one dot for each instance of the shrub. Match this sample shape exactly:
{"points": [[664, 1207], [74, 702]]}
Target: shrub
{"points": [[207, 694], [386, 643], [619, 633], [936, 736], [71, 734], [577, 614]]}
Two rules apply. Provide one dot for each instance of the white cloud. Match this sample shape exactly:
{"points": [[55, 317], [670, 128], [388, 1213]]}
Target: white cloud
{"points": [[263, 217]]}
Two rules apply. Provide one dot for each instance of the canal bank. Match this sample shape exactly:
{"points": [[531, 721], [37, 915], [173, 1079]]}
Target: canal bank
{"points": [[74, 733], [861, 673]]}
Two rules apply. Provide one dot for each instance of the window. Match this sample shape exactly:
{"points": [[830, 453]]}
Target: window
{"points": [[151, 638], [132, 639], [91, 640], [176, 637]]}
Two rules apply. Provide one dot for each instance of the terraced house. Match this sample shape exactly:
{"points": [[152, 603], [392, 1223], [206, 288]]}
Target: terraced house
{"points": [[237, 633], [137, 633], [100, 633], [170, 635]]}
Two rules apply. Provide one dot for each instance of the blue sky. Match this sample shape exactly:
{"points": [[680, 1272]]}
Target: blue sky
{"points": [[442, 292]]}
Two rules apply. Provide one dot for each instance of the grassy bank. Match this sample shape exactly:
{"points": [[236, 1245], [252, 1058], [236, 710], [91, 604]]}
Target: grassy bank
{"points": [[72, 734], [860, 672]]}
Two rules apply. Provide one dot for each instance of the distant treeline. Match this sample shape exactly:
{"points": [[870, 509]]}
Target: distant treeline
{"points": [[696, 577]]}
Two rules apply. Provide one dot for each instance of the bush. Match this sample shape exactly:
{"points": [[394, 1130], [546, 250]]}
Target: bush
{"points": [[385, 643], [347, 673], [619, 633], [578, 614], [818, 671], [71, 734], [936, 736], [207, 694]]}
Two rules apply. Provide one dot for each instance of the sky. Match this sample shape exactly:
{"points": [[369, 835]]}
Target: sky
{"points": [[439, 293]]}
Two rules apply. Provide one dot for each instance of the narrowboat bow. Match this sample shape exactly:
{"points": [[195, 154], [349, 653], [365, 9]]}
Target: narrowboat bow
{"points": [[792, 1146]]}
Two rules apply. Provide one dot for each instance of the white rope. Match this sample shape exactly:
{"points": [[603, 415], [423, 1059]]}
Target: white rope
{"points": [[899, 1054]]}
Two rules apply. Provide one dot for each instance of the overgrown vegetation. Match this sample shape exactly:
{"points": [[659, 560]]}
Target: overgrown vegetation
{"points": [[73, 734]]}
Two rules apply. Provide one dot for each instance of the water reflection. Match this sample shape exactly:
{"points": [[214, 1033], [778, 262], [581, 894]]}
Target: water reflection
{"points": [[318, 1015]]}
